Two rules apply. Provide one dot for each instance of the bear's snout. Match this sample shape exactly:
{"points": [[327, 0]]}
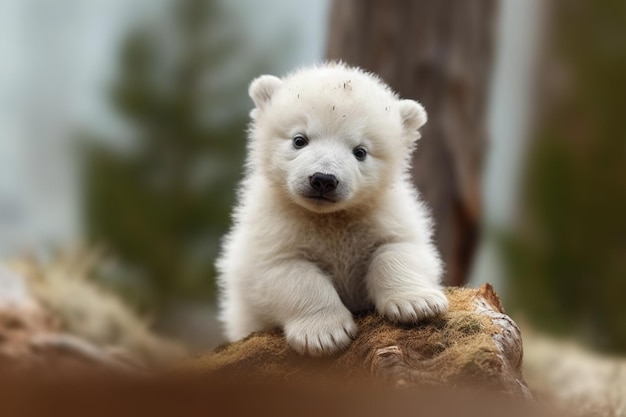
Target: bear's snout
{"points": [[323, 183]]}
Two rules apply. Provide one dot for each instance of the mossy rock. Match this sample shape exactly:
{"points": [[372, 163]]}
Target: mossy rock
{"points": [[474, 343]]}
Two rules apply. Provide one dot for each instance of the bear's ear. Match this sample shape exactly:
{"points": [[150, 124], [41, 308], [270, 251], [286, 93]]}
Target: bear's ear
{"points": [[263, 88], [413, 116]]}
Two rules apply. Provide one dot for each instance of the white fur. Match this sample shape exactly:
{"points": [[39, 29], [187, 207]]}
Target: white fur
{"points": [[306, 265]]}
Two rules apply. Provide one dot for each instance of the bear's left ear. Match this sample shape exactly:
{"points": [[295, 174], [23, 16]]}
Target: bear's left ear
{"points": [[263, 88], [413, 116]]}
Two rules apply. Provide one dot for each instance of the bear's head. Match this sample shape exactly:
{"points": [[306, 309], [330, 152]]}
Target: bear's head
{"points": [[331, 137]]}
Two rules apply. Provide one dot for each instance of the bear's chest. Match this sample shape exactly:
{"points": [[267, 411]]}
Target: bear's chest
{"points": [[344, 252]]}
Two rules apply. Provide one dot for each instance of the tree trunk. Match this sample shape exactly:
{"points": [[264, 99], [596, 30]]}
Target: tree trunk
{"points": [[440, 53]]}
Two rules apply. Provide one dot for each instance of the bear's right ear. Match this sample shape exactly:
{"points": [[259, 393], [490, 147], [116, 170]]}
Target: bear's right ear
{"points": [[413, 117], [263, 88]]}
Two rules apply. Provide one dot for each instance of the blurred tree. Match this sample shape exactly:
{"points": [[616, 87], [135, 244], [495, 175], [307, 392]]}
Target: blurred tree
{"points": [[567, 258], [439, 53], [163, 202]]}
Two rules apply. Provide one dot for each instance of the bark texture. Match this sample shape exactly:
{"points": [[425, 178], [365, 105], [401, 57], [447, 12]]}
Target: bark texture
{"points": [[439, 53]]}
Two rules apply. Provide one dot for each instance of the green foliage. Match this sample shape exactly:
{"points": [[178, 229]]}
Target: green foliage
{"points": [[162, 203], [568, 260]]}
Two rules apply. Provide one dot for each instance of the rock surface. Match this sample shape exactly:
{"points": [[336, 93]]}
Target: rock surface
{"points": [[53, 320], [475, 343], [31, 338]]}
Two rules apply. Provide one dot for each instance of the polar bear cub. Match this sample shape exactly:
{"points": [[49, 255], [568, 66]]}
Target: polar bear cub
{"points": [[328, 222]]}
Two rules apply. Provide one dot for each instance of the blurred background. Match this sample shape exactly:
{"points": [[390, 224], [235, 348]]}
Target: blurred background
{"points": [[122, 135]]}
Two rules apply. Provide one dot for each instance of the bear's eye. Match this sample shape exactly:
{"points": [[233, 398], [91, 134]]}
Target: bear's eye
{"points": [[299, 141], [359, 153]]}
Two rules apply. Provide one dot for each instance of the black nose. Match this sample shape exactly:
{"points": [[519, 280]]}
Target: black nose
{"points": [[323, 182]]}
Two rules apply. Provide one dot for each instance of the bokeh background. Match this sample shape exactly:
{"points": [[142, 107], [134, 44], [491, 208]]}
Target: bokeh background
{"points": [[122, 134]]}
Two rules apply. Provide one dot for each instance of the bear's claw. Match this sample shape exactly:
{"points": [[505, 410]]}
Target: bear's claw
{"points": [[410, 308], [323, 333]]}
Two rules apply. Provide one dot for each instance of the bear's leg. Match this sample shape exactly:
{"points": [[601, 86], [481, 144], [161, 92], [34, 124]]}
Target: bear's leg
{"points": [[403, 282], [239, 321], [301, 298]]}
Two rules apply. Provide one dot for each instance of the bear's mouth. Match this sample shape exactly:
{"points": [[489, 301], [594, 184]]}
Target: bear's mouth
{"points": [[321, 198]]}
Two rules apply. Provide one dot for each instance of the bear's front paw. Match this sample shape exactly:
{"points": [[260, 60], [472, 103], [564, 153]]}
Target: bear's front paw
{"points": [[324, 332], [414, 306]]}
